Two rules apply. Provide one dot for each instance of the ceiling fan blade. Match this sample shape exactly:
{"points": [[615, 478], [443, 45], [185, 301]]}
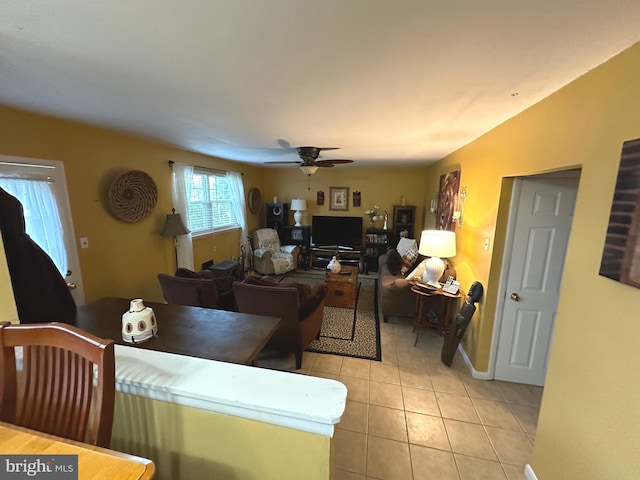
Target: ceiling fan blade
{"points": [[335, 161], [285, 162], [324, 165]]}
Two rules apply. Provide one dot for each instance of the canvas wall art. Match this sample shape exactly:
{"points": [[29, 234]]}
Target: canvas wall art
{"points": [[621, 253], [447, 200]]}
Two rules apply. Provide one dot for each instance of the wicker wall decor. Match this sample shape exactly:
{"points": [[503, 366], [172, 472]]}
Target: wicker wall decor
{"points": [[133, 196]]}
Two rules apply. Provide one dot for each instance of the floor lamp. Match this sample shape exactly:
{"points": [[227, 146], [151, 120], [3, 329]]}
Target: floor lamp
{"points": [[172, 228]]}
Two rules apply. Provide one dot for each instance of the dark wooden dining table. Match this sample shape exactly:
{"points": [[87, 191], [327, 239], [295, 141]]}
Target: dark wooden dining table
{"points": [[193, 331]]}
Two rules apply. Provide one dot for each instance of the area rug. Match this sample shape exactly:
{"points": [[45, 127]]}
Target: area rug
{"points": [[345, 331]]}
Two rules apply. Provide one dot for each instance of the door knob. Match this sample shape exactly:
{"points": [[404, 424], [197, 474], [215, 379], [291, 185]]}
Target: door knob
{"points": [[71, 285], [515, 297]]}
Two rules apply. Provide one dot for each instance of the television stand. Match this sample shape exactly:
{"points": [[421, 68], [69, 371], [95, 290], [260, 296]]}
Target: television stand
{"points": [[322, 255]]}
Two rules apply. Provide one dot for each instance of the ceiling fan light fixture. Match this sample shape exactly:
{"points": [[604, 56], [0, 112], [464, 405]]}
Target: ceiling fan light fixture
{"points": [[308, 169]]}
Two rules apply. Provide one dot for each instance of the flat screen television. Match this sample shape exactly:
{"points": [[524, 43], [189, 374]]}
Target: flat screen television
{"points": [[329, 231]]}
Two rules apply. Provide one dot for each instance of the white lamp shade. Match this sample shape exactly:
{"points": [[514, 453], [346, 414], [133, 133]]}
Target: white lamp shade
{"points": [[298, 204], [308, 169], [436, 244]]}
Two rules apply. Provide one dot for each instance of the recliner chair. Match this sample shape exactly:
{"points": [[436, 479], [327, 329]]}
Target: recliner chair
{"points": [[269, 257]]}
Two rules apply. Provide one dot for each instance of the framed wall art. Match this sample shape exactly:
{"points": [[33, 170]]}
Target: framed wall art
{"points": [[320, 198], [356, 199], [447, 200], [621, 253], [339, 198]]}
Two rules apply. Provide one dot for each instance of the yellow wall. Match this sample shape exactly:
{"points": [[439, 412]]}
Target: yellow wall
{"points": [[123, 258], [589, 426], [187, 443], [8, 311], [384, 187]]}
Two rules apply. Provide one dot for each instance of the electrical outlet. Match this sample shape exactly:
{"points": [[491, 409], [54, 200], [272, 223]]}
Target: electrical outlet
{"points": [[486, 244], [84, 242]]}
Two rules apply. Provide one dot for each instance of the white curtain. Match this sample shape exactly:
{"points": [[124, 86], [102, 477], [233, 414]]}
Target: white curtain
{"points": [[240, 211], [182, 182], [41, 217]]}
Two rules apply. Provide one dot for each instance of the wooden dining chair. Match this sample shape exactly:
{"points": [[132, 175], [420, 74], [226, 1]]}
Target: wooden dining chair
{"points": [[52, 387]]}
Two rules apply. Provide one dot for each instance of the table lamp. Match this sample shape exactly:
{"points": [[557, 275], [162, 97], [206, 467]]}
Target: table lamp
{"points": [[299, 205], [174, 227], [437, 244]]}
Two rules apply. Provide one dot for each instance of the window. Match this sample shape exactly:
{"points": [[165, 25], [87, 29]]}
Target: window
{"points": [[210, 203]]}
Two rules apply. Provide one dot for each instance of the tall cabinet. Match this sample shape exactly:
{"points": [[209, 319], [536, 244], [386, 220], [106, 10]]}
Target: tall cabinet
{"points": [[404, 221]]}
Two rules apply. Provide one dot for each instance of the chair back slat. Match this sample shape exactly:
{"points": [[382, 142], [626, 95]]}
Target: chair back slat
{"points": [[54, 392]]}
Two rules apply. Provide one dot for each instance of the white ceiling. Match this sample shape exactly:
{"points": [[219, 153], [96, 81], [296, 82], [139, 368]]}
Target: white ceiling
{"points": [[390, 82]]}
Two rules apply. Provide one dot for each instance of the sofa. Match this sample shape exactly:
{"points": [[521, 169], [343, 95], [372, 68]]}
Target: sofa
{"points": [[395, 298], [198, 289], [299, 306]]}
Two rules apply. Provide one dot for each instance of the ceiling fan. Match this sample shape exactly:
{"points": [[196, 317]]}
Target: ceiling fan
{"points": [[309, 162]]}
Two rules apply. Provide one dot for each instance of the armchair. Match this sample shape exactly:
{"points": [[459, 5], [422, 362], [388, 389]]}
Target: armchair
{"points": [[300, 307], [269, 257], [198, 289]]}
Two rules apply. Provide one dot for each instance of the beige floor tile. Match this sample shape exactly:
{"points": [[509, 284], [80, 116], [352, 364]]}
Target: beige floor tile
{"points": [[527, 416], [514, 472], [384, 372], [420, 401], [389, 357], [447, 382], [331, 376], [411, 357], [427, 431], [355, 417], [485, 389], [495, 414], [518, 394], [415, 377], [457, 407], [357, 388], [308, 358], [388, 459], [469, 439], [387, 423], [355, 367], [350, 451], [512, 447], [385, 395], [431, 464], [344, 475], [472, 468], [328, 364]]}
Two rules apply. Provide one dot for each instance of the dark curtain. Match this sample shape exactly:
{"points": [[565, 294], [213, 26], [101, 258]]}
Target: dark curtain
{"points": [[41, 293]]}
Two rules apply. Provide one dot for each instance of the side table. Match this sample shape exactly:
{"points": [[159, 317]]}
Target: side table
{"points": [[438, 300]]}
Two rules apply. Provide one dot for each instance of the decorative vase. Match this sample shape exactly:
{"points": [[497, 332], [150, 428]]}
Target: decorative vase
{"points": [[139, 323], [334, 265]]}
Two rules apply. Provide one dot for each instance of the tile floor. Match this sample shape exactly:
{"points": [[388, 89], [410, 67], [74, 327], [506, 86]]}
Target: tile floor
{"points": [[410, 417]]}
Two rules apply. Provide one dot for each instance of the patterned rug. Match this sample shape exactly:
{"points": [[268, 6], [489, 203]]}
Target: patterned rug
{"points": [[345, 331]]}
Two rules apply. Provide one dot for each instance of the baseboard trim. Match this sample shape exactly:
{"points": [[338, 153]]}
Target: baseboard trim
{"points": [[474, 373], [528, 472]]}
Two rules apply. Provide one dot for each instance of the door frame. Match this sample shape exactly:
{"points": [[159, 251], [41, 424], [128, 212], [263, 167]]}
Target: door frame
{"points": [[25, 166], [506, 259]]}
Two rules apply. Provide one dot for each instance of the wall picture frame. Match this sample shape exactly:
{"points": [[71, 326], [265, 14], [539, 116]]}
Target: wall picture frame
{"points": [[339, 198], [447, 200]]}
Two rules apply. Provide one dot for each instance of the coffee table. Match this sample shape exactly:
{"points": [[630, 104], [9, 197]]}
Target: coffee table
{"points": [[343, 288], [192, 331]]}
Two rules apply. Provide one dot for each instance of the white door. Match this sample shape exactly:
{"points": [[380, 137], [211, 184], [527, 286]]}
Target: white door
{"points": [[52, 172], [543, 217]]}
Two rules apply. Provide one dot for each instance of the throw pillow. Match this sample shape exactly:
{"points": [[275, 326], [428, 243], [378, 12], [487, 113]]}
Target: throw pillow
{"points": [[417, 272], [394, 262], [186, 273], [409, 259], [415, 265], [406, 244]]}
